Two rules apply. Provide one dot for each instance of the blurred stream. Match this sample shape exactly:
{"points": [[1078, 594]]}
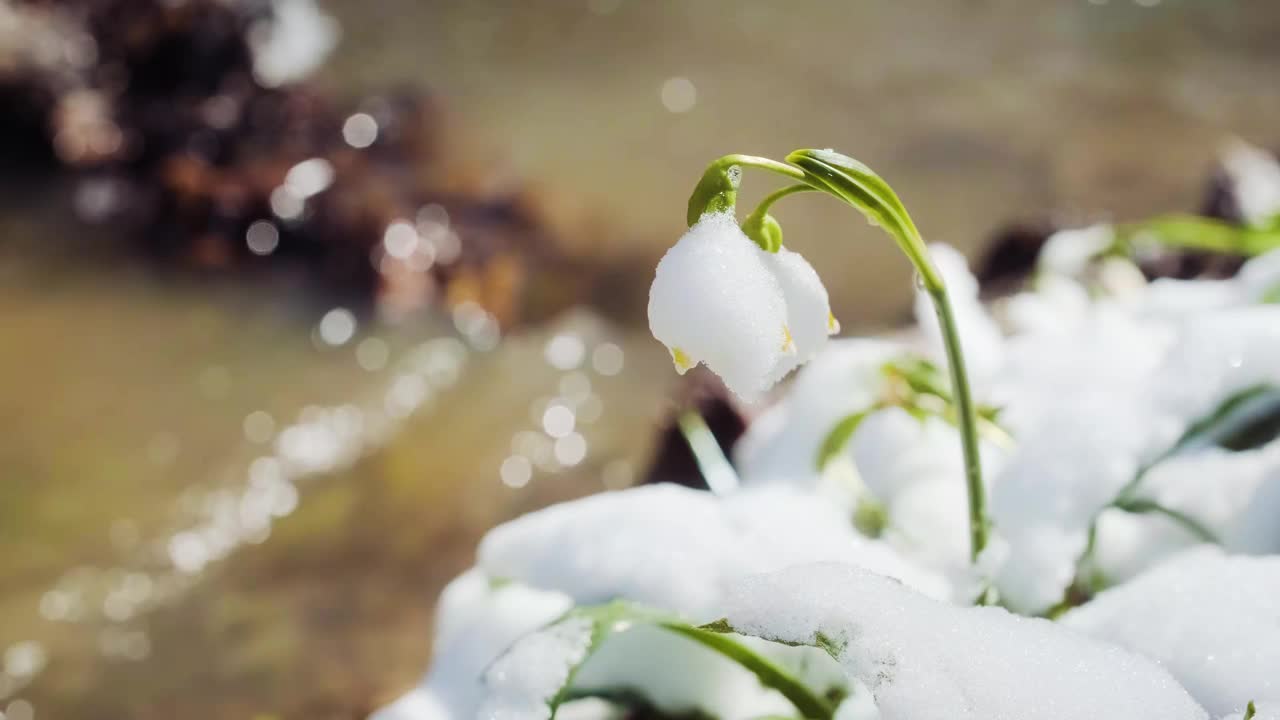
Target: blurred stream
{"points": [[209, 510]]}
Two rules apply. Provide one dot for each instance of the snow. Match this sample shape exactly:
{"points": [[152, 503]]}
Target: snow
{"points": [[781, 445], [809, 315], [1255, 177], [1210, 619], [715, 301], [1069, 252], [524, 680], [1263, 711], [922, 659], [475, 623], [674, 548]]}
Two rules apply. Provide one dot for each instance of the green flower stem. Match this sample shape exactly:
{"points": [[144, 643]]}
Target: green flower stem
{"points": [[777, 195], [762, 163], [761, 227], [977, 490], [715, 467]]}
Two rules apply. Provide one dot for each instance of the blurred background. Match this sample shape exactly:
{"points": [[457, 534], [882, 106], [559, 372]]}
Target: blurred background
{"points": [[298, 298]]}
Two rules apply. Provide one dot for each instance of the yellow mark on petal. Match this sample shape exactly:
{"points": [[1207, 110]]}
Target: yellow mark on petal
{"points": [[833, 325], [788, 344], [682, 361]]}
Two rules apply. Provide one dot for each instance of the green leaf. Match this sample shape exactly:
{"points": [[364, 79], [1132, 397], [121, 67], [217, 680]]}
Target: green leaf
{"points": [[1193, 232], [1245, 420], [858, 185], [1250, 711], [1141, 506], [834, 648], [619, 617], [836, 440]]}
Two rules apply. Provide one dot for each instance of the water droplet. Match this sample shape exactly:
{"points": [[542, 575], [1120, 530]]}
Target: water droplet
{"points": [[918, 279]]}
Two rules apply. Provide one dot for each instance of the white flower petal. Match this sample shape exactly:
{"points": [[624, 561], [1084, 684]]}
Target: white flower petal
{"points": [[809, 317], [715, 301]]}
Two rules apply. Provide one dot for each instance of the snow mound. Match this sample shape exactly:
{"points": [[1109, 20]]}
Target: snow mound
{"points": [[673, 548], [922, 659], [1210, 619]]}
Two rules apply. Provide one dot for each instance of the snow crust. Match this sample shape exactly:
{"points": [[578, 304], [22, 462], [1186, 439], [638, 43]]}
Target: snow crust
{"points": [[1210, 619], [922, 659]]}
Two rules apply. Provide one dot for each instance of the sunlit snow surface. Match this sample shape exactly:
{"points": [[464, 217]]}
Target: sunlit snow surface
{"points": [[1211, 620], [922, 659]]}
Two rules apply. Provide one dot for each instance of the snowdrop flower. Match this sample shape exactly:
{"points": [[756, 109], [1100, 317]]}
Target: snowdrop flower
{"points": [[748, 315]]}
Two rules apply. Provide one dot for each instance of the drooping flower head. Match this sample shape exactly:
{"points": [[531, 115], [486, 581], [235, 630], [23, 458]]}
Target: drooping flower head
{"points": [[714, 301], [749, 315]]}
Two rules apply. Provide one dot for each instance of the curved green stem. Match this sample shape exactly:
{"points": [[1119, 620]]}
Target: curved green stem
{"points": [[763, 163], [776, 195], [856, 184], [859, 187]]}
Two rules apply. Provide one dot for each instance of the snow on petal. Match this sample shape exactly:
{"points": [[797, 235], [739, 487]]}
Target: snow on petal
{"points": [[809, 315], [715, 301], [926, 660]]}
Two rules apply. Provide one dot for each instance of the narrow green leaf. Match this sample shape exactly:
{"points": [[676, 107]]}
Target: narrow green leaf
{"points": [[619, 617], [1250, 711], [1193, 232], [1244, 420], [836, 440], [1140, 506], [808, 703], [859, 186], [1233, 422]]}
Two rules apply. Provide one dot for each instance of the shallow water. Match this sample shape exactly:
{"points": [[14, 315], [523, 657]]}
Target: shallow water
{"points": [[156, 567], [208, 511]]}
